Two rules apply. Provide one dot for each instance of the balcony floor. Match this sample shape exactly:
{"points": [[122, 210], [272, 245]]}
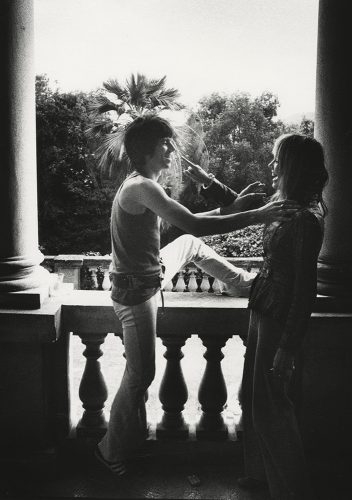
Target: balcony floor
{"points": [[163, 473]]}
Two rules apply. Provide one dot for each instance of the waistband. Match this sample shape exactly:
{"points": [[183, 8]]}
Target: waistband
{"points": [[132, 281]]}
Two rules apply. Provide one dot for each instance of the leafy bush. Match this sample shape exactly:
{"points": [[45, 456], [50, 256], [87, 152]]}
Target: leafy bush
{"points": [[245, 242]]}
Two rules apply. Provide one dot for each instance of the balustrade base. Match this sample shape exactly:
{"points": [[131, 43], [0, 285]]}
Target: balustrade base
{"points": [[208, 435], [181, 433], [211, 432], [83, 431]]}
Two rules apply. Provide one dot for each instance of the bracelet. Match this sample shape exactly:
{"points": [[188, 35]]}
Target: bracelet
{"points": [[211, 177]]}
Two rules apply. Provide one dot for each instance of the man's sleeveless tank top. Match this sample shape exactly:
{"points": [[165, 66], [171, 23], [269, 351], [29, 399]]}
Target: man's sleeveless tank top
{"points": [[135, 248]]}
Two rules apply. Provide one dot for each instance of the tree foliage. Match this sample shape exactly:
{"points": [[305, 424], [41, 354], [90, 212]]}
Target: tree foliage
{"points": [[231, 136], [239, 133], [246, 242], [73, 202]]}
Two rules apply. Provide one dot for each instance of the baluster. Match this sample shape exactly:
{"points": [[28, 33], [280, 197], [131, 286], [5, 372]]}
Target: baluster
{"points": [[174, 282], [173, 392], [92, 390], [106, 281], [211, 280], [100, 277], [186, 277], [87, 279], [212, 392], [199, 279]]}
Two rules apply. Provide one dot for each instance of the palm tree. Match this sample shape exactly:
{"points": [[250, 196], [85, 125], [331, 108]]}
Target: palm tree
{"points": [[110, 116]]}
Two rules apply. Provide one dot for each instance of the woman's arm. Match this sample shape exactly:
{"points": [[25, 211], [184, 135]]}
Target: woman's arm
{"points": [[218, 192], [307, 240], [211, 187], [151, 195], [249, 197]]}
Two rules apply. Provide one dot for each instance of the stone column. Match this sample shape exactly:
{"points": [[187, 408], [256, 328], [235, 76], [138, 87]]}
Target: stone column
{"points": [[333, 128], [20, 258]]}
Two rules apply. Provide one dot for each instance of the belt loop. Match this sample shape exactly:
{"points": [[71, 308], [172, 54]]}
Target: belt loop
{"points": [[162, 300]]}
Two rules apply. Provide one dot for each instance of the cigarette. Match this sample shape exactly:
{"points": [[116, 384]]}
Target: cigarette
{"points": [[187, 160]]}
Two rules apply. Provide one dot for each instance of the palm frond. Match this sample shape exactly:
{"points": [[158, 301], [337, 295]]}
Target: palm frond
{"points": [[112, 85], [165, 103], [137, 96], [155, 86], [190, 141], [101, 104], [112, 145], [98, 129]]}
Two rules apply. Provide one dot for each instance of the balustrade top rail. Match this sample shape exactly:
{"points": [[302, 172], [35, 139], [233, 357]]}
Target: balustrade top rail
{"points": [[184, 314], [85, 311], [92, 272], [188, 314]]}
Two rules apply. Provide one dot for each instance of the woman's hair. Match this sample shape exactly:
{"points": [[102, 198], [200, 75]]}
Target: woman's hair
{"points": [[301, 168], [142, 136]]}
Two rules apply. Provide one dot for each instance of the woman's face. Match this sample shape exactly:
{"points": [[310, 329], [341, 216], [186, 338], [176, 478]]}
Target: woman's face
{"points": [[273, 165]]}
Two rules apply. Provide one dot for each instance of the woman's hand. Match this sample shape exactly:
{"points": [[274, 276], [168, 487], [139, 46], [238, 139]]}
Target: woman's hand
{"points": [[277, 211], [197, 173], [250, 197], [256, 187], [283, 365]]}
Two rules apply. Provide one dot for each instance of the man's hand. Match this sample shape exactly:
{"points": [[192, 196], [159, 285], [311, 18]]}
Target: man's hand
{"points": [[281, 211]]}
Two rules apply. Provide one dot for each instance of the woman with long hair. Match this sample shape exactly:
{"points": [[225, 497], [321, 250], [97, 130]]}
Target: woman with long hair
{"points": [[281, 301]]}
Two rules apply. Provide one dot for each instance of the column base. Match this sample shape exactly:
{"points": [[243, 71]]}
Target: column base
{"points": [[334, 278], [25, 299], [28, 292]]}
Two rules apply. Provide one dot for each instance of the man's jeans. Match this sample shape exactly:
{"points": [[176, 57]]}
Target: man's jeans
{"points": [[128, 425], [187, 248]]}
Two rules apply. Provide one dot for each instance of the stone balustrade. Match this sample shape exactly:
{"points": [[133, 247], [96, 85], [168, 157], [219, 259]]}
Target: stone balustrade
{"points": [[92, 273], [40, 340], [212, 318]]}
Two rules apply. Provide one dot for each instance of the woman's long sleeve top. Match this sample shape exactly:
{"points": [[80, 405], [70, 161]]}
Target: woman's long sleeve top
{"points": [[286, 285], [220, 193]]}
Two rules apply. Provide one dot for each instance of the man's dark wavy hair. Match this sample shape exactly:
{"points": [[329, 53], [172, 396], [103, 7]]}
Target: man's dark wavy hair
{"points": [[142, 136]]}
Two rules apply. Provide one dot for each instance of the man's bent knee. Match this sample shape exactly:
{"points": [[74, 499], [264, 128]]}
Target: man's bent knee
{"points": [[188, 240]]}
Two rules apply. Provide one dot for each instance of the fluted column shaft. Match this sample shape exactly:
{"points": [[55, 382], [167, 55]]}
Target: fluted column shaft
{"points": [[333, 128], [19, 255]]}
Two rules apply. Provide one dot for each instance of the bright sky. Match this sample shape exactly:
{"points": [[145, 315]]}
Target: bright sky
{"points": [[202, 46]]}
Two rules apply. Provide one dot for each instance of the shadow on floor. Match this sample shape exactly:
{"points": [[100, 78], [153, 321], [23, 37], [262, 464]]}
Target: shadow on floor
{"points": [[180, 470]]}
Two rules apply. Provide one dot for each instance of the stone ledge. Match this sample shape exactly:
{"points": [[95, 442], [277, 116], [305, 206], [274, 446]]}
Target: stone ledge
{"points": [[32, 298], [33, 325], [202, 313], [91, 312]]}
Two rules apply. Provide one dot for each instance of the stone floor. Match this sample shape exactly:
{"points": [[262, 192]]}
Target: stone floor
{"points": [[180, 470]]}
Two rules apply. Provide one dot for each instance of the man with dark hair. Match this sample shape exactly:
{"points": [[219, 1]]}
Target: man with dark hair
{"points": [[136, 271]]}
